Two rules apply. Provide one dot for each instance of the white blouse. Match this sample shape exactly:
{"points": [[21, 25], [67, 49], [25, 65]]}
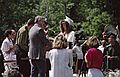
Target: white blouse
{"points": [[70, 37], [6, 45], [78, 51]]}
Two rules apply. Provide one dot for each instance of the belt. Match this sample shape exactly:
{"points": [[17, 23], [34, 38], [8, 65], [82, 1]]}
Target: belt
{"points": [[26, 58], [95, 67]]}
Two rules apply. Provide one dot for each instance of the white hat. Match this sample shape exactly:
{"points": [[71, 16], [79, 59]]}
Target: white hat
{"points": [[70, 21]]}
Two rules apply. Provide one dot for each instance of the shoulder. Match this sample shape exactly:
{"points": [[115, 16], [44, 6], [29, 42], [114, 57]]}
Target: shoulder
{"points": [[53, 50], [22, 29], [92, 50], [74, 47], [72, 33], [108, 46], [5, 40]]}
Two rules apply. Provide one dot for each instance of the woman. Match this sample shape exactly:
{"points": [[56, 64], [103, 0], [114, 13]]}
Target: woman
{"points": [[94, 58], [8, 47], [60, 58], [8, 50], [66, 29]]}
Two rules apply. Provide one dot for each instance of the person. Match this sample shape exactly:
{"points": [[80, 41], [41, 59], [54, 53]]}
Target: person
{"points": [[60, 58], [8, 50], [48, 65], [61, 27], [103, 45], [84, 68], [66, 29], [78, 50], [14, 73], [2, 69], [112, 53], [13, 36], [37, 46], [94, 58], [22, 42]]}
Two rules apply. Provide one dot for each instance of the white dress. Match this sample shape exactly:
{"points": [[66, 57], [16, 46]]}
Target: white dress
{"points": [[61, 63]]}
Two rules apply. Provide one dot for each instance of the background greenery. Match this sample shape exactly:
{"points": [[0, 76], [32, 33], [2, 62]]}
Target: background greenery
{"points": [[90, 15]]}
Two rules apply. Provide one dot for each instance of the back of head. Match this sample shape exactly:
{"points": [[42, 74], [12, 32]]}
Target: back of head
{"points": [[30, 22], [7, 33], [93, 42], [112, 35], [39, 18], [14, 73], [60, 42]]}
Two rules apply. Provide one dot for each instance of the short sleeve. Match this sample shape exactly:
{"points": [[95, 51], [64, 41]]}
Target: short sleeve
{"points": [[88, 56], [5, 47], [71, 37]]}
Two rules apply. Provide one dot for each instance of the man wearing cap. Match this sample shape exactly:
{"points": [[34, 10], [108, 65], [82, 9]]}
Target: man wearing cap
{"points": [[37, 46], [112, 53], [23, 48]]}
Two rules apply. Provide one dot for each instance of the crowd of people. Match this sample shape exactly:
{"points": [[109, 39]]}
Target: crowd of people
{"points": [[30, 52]]}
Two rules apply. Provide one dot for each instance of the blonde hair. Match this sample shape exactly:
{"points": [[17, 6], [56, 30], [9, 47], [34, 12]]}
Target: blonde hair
{"points": [[60, 42], [91, 41]]}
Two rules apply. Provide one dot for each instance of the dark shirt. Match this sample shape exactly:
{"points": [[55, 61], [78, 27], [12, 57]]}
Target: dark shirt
{"points": [[114, 53], [2, 69]]}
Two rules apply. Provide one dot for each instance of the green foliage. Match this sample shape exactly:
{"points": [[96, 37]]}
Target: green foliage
{"points": [[94, 21], [94, 16], [90, 14], [54, 10], [14, 13]]}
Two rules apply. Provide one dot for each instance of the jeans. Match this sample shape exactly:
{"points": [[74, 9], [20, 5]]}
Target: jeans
{"points": [[37, 68]]}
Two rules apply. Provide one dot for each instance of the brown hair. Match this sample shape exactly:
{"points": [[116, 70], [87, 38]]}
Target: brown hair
{"points": [[61, 26], [67, 25], [30, 22], [60, 42]]}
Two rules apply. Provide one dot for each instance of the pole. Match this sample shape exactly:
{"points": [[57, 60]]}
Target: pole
{"points": [[46, 11], [65, 8]]}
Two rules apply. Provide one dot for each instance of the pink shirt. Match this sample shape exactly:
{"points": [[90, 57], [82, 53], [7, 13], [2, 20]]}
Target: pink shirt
{"points": [[94, 57]]}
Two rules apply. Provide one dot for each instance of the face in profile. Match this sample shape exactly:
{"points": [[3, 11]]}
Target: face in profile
{"points": [[43, 24], [13, 34]]}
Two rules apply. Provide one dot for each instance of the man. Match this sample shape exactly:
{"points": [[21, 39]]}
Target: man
{"points": [[103, 45], [112, 53], [38, 44], [22, 43]]}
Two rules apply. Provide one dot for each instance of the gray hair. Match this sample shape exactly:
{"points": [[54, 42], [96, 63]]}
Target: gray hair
{"points": [[39, 18]]}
